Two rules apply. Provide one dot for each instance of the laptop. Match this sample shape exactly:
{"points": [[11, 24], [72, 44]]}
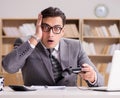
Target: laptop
{"points": [[1, 83], [114, 80]]}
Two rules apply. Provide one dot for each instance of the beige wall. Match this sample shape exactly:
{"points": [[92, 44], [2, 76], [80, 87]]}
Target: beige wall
{"points": [[72, 8]]}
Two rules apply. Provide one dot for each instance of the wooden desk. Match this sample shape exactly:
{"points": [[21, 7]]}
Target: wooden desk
{"points": [[68, 92]]}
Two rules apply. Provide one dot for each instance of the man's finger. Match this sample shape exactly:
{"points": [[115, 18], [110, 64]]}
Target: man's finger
{"points": [[39, 19]]}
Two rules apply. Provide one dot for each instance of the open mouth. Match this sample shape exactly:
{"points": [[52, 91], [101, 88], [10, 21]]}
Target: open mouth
{"points": [[50, 41]]}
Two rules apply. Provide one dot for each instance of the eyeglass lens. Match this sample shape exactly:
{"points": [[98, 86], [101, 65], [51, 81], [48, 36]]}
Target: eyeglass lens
{"points": [[55, 29]]}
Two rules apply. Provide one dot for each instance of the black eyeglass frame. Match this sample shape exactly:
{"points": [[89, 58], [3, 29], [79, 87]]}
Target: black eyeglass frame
{"points": [[50, 27]]}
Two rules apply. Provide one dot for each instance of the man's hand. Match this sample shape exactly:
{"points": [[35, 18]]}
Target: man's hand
{"points": [[38, 35], [38, 27], [88, 73]]}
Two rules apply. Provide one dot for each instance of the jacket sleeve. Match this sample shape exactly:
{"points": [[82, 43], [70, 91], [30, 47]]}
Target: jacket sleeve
{"points": [[15, 60], [83, 58]]}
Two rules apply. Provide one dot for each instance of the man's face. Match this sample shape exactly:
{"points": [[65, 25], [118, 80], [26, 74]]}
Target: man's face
{"points": [[52, 31]]}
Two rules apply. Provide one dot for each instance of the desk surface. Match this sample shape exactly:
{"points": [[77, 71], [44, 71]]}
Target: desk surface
{"points": [[68, 92]]}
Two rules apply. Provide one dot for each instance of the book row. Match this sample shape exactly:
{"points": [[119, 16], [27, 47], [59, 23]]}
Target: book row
{"points": [[107, 49]]}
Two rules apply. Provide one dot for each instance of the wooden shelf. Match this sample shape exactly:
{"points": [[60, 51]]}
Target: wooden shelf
{"points": [[107, 38], [8, 37], [93, 32], [100, 58], [99, 41]]}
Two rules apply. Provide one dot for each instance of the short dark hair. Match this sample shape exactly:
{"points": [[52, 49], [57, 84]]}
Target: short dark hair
{"points": [[54, 12]]}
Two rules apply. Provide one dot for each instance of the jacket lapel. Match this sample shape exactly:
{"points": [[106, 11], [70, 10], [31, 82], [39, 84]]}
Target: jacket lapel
{"points": [[45, 58], [64, 55]]}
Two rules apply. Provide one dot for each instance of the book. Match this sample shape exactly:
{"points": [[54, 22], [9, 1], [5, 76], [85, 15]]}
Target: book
{"points": [[89, 48], [27, 29], [113, 29], [71, 31], [11, 31], [104, 31], [87, 30]]}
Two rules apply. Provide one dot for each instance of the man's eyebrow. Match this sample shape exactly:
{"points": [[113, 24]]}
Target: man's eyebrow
{"points": [[45, 24], [51, 26], [59, 25]]}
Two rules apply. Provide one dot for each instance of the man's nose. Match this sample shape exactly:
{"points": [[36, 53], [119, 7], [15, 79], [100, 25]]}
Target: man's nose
{"points": [[51, 32]]}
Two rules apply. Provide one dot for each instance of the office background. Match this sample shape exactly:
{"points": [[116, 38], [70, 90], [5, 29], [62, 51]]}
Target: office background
{"points": [[72, 8], [15, 13]]}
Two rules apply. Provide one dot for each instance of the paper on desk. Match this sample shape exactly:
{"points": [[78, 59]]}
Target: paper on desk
{"points": [[48, 87]]}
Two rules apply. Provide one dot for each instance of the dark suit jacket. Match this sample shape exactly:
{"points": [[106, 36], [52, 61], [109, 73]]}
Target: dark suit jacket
{"points": [[36, 65]]}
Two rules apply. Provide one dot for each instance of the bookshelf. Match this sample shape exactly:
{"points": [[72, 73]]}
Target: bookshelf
{"points": [[7, 40], [103, 33], [85, 30], [72, 28]]}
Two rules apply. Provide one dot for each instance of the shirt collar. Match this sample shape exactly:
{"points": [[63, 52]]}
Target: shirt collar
{"points": [[56, 47]]}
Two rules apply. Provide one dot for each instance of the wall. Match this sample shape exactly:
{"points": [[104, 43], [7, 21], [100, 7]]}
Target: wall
{"points": [[72, 8]]}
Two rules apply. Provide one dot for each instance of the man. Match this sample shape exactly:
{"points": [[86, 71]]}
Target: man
{"points": [[33, 56]]}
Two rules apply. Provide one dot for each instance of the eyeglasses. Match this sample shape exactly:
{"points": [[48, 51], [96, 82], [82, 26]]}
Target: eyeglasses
{"points": [[55, 29]]}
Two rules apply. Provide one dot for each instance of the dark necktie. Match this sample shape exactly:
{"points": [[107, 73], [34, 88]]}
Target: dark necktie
{"points": [[57, 70]]}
